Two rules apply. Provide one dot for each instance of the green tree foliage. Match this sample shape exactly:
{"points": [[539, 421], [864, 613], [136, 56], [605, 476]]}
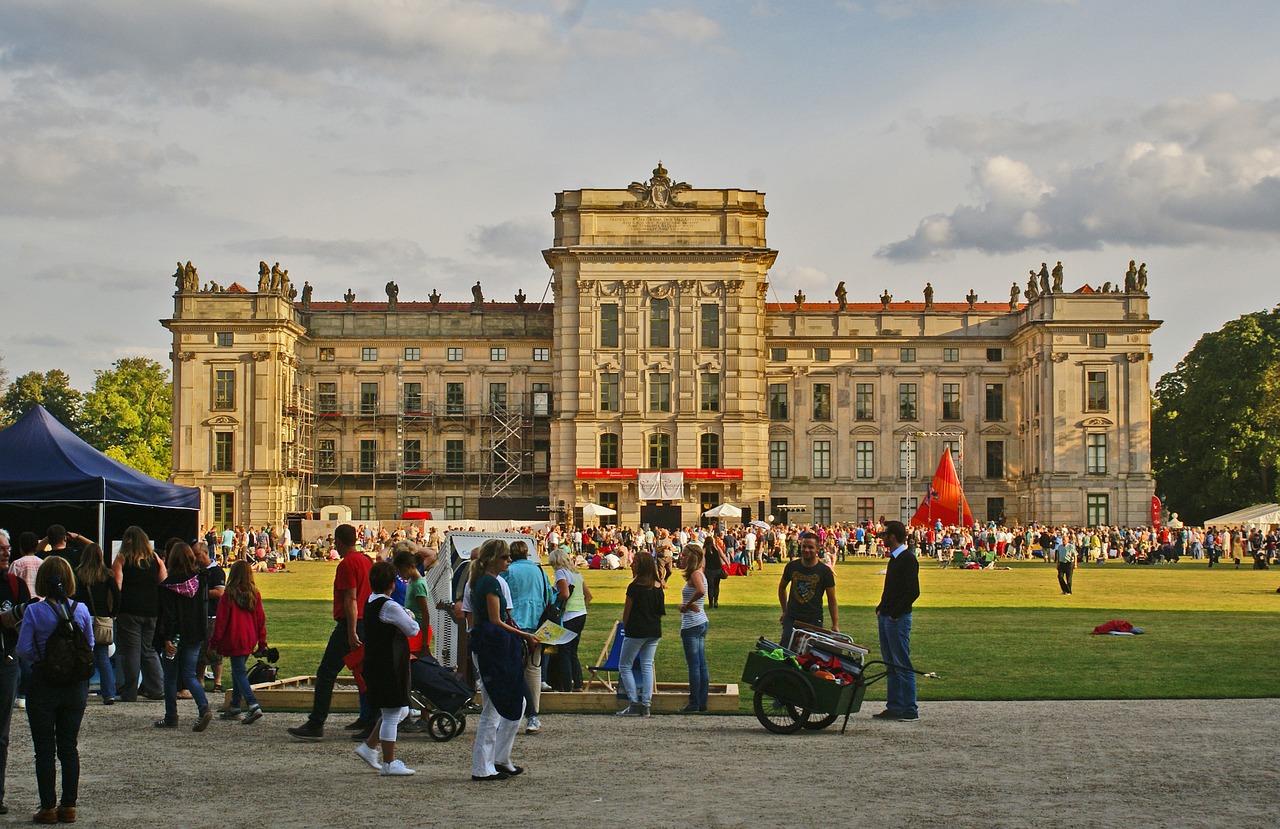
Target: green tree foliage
{"points": [[128, 415], [1216, 421], [51, 390]]}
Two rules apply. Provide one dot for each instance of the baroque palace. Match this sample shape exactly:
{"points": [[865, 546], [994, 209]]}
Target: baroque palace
{"points": [[661, 382]]}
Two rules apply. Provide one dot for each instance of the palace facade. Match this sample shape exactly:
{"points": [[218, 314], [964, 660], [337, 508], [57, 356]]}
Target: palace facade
{"points": [[660, 382]]}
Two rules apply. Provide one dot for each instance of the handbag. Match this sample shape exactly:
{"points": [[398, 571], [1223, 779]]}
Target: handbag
{"points": [[554, 609], [104, 627]]}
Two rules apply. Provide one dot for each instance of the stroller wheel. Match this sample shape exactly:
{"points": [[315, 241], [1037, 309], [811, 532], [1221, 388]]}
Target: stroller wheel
{"points": [[462, 723], [442, 726]]}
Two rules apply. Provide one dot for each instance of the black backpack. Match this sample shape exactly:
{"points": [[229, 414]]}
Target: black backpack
{"points": [[68, 659]]}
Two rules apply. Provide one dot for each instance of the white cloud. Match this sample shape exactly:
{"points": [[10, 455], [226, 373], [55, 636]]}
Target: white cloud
{"points": [[1186, 172], [517, 239], [678, 24]]}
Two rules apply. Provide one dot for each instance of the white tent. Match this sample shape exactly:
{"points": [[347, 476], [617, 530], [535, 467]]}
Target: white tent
{"points": [[593, 510], [723, 511], [1259, 515]]}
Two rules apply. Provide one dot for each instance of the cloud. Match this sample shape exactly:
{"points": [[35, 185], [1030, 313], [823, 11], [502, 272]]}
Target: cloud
{"points": [[1186, 172], [74, 276], [395, 256], [518, 239], [678, 24], [285, 48]]}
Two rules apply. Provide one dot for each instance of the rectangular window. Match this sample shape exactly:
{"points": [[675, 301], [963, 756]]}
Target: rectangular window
{"points": [[454, 399], [366, 510], [659, 323], [864, 455], [413, 455], [995, 401], [907, 394], [498, 398], [225, 339], [659, 391], [541, 399], [224, 388], [610, 451], [907, 355], [865, 401], [453, 508], [778, 401], [327, 398], [224, 509], [454, 354], [327, 456], [710, 326], [223, 443], [907, 508], [822, 355], [413, 397], [822, 459], [995, 459], [660, 451], [497, 355], [950, 401], [412, 355], [328, 355], [1097, 340], [609, 391], [368, 456], [995, 510], [866, 510], [954, 446], [822, 510], [1096, 391], [412, 502], [778, 459], [995, 355], [778, 355], [1098, 510], [368, 354], [864, 355], [709, 392], [907, 459], [950, 355], [1096, 454], [609, 325], [368, 398], [709, 451], [821, 401], [542, 355], [455, 458]]}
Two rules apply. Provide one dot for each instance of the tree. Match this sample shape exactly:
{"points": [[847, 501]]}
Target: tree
{"points": [[1216, 421], [128, 415], [51, 390]]}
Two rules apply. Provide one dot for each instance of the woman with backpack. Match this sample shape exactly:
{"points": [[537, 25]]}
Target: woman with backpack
{"points": [[96, 589], [240, 630], [62, 661], [181, 633]]}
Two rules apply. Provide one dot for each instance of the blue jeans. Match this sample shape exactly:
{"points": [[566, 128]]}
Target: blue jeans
{"points": [[331, 665], [638, 692], [240, 688], [183, 667], [55, 712], [694, 640], [106, 673], [895, 649], [8, 690]]}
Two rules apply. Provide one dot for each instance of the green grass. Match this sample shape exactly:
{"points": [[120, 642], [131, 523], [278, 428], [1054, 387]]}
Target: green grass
{"points": [[990, 634]]}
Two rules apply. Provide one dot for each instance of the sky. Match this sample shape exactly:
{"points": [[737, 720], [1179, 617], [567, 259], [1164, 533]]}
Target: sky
{"points": [[899, 142]]}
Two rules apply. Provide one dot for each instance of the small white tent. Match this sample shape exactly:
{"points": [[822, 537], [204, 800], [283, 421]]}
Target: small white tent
{"points": [[1259, 515]]}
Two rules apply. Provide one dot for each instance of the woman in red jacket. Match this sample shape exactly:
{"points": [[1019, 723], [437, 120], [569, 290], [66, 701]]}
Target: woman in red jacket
{"points": [[241, 629]]}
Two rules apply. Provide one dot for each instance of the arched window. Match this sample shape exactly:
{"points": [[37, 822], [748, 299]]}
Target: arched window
{"points": [[660, 451], [610, 451], [709, 451]]}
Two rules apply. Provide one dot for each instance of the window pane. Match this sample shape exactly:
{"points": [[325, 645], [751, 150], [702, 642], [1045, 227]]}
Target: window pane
{"points": [[822, 510], [454, 456], [413, 397], [368, 456], [865, 401], [710, 326], [995, 401], [778, 459], [454, 398], [659, 391], [498, 397], [907, 355], [609, 395], [659, 451], [950, 401], [222, 448], [368, 398], [453, 507], [950, 355], [327, 397], [455, 355], [224, 389], [822, 459], [412, 354], [822, 401], [710, 392], [660, 323], [709, 451], [866, 511], [413, 456], [907, 401], [1096, 382], [1096, 454], [609, 325], [865, 355], [778, 401], [865, 458], [995, 459], [1098, 507], [609, 451], [326, 456]]}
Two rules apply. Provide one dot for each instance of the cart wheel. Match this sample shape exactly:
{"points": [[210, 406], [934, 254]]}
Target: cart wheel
{"points": [[442, 726], [782, 702], [818, 720]]}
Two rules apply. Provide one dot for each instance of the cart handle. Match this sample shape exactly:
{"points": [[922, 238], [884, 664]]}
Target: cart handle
{"points": [[925, 674]]}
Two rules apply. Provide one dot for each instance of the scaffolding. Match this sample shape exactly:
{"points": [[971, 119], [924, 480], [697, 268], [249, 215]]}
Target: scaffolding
{"points": [[298, 444]]}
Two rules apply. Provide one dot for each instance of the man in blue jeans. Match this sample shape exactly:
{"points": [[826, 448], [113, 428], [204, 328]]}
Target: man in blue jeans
{"points": [[901, 589]]}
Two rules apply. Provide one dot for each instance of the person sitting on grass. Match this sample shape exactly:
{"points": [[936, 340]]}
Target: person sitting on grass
{"points": [[387, 628]]}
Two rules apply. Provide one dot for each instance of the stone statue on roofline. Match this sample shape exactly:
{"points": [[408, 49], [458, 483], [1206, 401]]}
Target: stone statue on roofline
{"points": [[264, 278], [842, 296], [1044, 278], [349, 297], [885, 299], [799, 299], [393, 295], [1057, 277], [1031, 292], [928, 294], [306, 294], [477, 295], [971, 298], [1131, 278], [1142, 278], [1013, 296]]}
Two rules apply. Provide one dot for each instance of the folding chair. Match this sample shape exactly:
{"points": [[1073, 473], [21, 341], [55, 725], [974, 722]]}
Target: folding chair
{"points": [[609, 656]]}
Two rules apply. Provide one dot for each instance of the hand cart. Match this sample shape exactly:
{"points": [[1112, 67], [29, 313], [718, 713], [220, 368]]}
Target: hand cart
{"points": [[789, 698]]}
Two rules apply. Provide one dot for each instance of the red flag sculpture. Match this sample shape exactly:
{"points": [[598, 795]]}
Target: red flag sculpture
{"points": [[944, 500]]}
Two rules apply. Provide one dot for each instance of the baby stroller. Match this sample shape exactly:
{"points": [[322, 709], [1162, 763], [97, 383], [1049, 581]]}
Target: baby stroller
{"points": [[442, 695]]}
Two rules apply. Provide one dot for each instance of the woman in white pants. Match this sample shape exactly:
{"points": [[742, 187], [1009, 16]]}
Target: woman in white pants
{"points": [[498, 649]]}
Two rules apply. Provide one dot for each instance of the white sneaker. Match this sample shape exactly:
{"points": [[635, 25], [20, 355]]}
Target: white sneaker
{"points": [[533, 725], [396, 768], [546, 686], [370, 756], [21, 703]]}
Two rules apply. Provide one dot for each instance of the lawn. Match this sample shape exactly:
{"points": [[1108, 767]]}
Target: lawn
{"points": [[990, 634]]}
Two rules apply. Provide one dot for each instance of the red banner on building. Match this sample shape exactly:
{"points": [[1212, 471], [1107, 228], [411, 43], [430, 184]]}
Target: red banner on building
{"points": [[607, 474], [1155, 513], [713, 474]]}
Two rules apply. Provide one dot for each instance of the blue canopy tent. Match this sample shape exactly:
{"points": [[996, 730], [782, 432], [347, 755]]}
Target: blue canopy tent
{"points": [[50, 476]]}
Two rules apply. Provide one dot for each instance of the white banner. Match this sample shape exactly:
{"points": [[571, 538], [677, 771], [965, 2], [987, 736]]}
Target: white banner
{"points": [[650, 486], [673, 486]]}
